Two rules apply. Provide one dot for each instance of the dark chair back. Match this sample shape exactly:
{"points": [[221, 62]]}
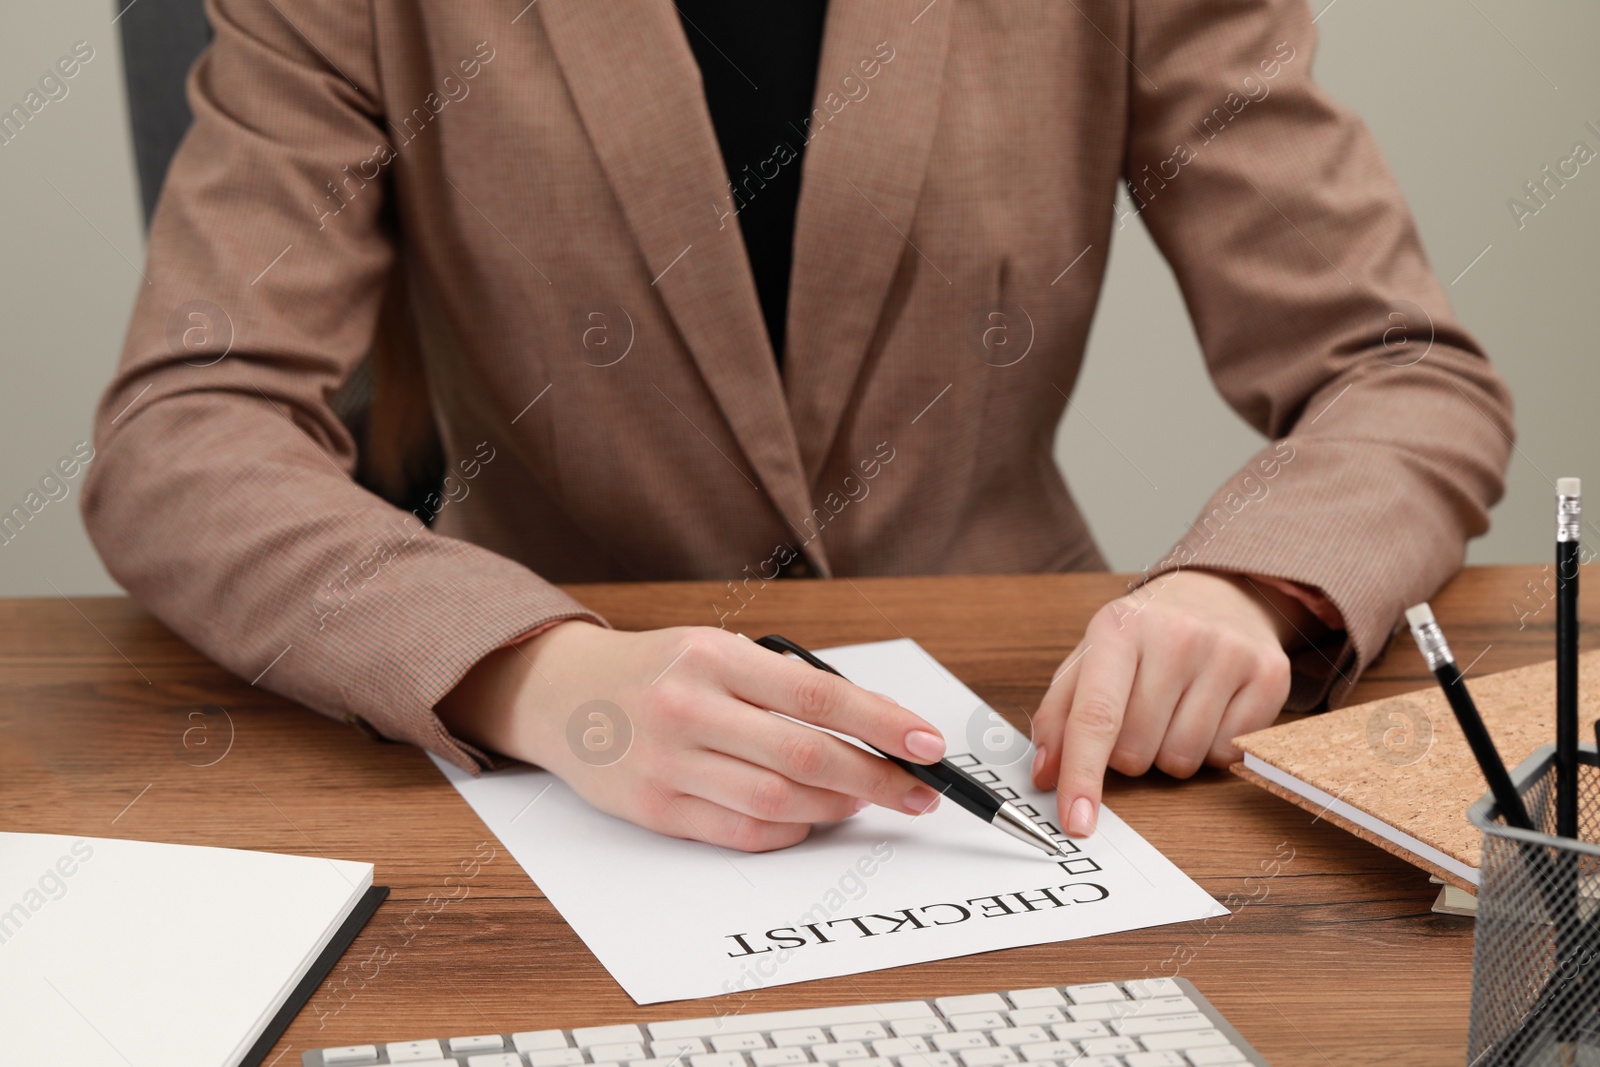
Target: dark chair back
{"points": [[160, 41]]}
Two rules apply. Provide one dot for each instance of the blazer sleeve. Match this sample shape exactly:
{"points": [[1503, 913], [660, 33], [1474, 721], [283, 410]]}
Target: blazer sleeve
{"points": [[222, 493], [1321, 322]]}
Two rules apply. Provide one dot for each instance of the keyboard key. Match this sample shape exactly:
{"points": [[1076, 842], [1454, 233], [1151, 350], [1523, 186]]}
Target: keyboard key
{"points": [[1079, 1031], [538, 1040], [1106, 1010], [965, 1039], [1065, 1051], [899, 1046], [716, 1059], [1043, 997], [1145, 988], [1165, 1058], [859, 1031], [495, 1059], [1036, 1016], [677, 1046], [1096, 993], [349, 1054], [585, 1036], [1018, 1035], [978, 1020], [481, 1043], [893, 1009], [917, 1027], [414, 1051], [779, 1057], [1099, 1061], [1166, 1006], [738, 1042], [976, 1002], [928, 1059], [988, 1057], [800, 1017], [555, 1057], [1184, 1040], [1106, 1046], [844, 1050], [810, 1035], [625, 1050], [1139, 1025], [1215, 1054]]}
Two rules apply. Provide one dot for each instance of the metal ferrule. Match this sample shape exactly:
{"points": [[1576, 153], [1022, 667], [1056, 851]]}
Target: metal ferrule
{"points": [[1430, 639], [1569, 518]]}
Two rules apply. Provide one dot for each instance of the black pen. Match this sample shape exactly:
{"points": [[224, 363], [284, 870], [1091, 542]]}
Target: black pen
{"points": [[1430, 639], [944, 776], [1569, 524]]}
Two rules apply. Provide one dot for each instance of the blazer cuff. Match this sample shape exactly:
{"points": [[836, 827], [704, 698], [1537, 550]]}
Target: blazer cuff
{"points": [[1321, 515], [385, 669], [1320, 607], [425, 729]]}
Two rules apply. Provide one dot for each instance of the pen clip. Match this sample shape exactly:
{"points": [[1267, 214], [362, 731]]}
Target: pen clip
{"points": [[780, 644]]}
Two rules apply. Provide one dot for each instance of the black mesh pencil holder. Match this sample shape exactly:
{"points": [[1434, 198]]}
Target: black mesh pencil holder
{"points": [[1536, 952]]}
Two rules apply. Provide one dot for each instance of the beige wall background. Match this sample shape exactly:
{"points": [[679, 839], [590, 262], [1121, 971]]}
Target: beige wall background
{"points": [[1469, 99]]}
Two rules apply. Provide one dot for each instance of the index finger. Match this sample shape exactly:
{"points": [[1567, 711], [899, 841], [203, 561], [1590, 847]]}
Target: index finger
{"points": [[791, 687], [1093, 723]]}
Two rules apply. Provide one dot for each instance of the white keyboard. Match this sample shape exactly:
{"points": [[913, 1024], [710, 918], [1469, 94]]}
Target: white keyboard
{"points": [[1147, 1022]]}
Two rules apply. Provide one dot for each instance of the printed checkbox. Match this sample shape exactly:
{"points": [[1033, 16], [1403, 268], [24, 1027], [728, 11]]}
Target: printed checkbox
{"points": [[963, 759], [986, 777], [1029, 810], [1006, 791], [1078, 865]]}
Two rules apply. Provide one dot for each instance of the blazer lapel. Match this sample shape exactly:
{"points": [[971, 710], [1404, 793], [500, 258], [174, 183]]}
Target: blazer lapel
{"points": [[637, 88], [863, 174]]}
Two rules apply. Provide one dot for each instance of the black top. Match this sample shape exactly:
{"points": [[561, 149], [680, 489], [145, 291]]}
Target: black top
{"points": [[758, 62]]}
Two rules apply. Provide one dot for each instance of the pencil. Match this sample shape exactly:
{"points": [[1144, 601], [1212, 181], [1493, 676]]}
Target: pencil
{"points": [[1568, 532], [1430, 639]]}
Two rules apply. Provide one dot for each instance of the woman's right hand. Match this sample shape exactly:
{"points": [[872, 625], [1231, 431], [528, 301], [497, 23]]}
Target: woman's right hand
{"points": [[673, 730]]}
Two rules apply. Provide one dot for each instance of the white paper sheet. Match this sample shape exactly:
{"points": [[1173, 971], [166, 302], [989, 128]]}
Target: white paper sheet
{"points": [[674, 920]]}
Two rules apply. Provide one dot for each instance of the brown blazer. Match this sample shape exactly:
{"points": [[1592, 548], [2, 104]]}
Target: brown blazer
{"points": [[534, 193]]}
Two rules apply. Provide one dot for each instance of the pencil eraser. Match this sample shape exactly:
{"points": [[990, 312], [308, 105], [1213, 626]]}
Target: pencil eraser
{"points": [[1569, 487], [1419, 616]]}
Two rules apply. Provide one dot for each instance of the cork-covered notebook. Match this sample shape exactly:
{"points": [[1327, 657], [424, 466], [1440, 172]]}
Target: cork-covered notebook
{"points": [[1398, 773]]}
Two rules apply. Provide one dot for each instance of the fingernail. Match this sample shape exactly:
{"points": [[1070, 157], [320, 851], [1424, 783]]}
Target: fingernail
{"points": [[1080, 820], [921, 799], [926, 746], [1038, 764], [861, 805]]}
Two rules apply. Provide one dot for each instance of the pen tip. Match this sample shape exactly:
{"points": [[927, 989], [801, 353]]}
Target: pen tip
{"points": [[1569, 487], [1419, 615]]}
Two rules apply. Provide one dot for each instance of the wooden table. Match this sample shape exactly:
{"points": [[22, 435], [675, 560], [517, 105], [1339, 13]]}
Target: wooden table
{"points": [[105, 731]]}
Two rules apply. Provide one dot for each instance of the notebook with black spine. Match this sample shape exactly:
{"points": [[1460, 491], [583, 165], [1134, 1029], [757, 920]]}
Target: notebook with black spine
{"points": [[317, 974]]}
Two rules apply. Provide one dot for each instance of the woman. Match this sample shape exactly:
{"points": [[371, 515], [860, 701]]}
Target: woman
{"points": [[696, 293]]}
